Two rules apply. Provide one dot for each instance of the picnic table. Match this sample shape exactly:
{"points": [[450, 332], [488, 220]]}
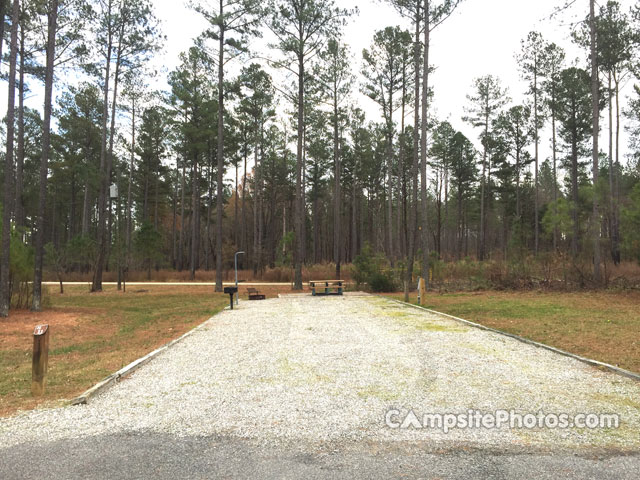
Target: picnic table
{"points": [[326, 287], [255, 294]]}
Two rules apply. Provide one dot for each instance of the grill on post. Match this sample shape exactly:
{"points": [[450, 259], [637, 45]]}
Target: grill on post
{"points": [[231, 291]]}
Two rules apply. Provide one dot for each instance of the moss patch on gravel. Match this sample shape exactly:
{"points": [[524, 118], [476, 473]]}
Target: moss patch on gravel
{"points": [[297, 373], [618, 401], [378, 392], [409, 317]]}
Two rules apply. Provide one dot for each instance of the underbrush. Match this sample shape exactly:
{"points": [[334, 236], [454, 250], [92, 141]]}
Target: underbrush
{"points": [[546, 271], [371, 271]]}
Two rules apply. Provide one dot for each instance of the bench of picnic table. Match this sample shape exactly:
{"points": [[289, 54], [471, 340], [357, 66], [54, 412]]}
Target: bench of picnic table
{"points": [[326, 287], [255, 294]]}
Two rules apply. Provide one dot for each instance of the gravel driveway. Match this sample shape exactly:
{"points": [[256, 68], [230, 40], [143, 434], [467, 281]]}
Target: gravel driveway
{"points": [[327, 369]]}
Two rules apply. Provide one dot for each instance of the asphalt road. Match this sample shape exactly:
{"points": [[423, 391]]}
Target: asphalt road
{"points": [[160, 456]]}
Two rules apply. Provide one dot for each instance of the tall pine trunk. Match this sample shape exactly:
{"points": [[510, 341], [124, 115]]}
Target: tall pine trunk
{"points": [[555, 164], [574, 192], [299, 211], [208, 251], [104, 171], [112, 134], [389, 196], [5, 286], [174, 224], [256, 207], [615, 172], [19, 209], [260, 202], [595, 102], [337, 234], [413, 217], [354, 211], [195, 205], [182, 219], [243, 210], [46, 147], [402, 197], [220, 152], [483, 182], [537, 159], [236, 227], [611, 189], [130, 183], [424, 221]]}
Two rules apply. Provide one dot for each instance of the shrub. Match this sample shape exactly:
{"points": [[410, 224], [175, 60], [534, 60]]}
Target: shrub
{"points": [[21, 271], [370, 269], [631, 225], [382, 282], [148, 245], [365, 265]]}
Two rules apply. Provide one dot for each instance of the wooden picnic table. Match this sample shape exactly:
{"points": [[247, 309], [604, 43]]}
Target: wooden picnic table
{"points": [[326, 287], [255, 294]]}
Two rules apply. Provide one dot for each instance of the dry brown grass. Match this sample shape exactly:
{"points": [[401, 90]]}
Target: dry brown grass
{"points": [[547, 271]]}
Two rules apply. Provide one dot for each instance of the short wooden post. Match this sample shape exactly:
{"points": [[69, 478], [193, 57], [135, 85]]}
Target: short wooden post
{"points": [[40, 359], [421, 292]]}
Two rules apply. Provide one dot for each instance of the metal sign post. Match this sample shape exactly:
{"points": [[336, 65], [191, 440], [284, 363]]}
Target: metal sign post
{"points": [[236, 265]]}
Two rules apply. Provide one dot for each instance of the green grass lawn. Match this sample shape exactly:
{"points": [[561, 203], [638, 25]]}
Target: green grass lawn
{"points": [[94, 335], [601, 325]]}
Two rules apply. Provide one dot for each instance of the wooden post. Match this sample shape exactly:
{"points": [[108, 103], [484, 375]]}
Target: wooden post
{"points": [[40, 359], [422, 292]]}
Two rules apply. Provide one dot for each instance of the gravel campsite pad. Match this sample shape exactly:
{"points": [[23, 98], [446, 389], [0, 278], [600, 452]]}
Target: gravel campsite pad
{"points": [[328, 369]]}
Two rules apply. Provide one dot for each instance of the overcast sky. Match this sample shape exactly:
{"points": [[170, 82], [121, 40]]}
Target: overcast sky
{"points": [[481, 38]]}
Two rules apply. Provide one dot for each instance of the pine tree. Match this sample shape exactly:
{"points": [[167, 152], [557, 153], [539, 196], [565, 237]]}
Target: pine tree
{"points": [[231, 22], [301, 28], [383, 74], [486, 102], [127, 35], [531, 62], [52, 14], [335, 79], [574, 114], [553, 65]]}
